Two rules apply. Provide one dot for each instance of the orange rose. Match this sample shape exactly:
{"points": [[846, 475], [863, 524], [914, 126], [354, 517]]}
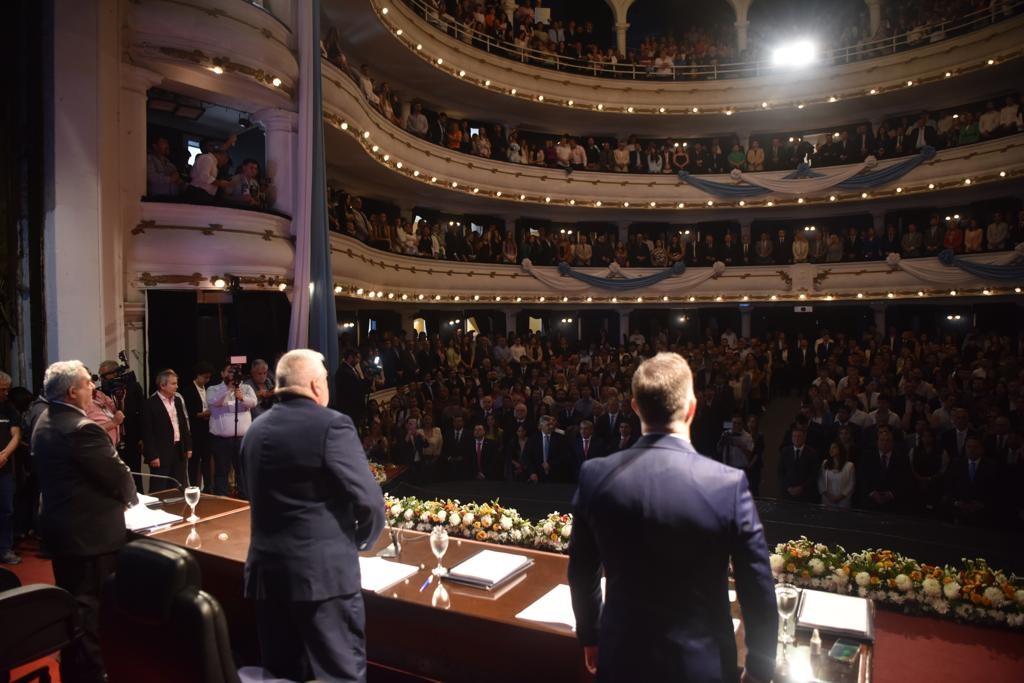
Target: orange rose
{"points": [[791, 568]]}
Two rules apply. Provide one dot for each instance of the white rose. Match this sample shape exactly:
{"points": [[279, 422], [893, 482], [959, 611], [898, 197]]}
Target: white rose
{"points": [[548, 529], [467, 520], [817, 567], [505, 522], [820, 547], [1018, 596], [941, 606], [951, 590], [486, 520], [903, 582], [517, 535], [932, 587], [424, 516], [408, 514], [994, 595], [862, 592], [567, 531], [396, 509], [841, 578], [442, 515], [776, 562], [862, 578], [455, 520]]}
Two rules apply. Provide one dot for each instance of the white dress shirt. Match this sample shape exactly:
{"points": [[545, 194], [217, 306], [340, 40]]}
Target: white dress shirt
{"points": [[222, 410]]}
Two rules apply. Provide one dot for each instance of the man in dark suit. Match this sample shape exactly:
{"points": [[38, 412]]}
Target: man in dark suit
{"points": [[585, 446], [194, 393], [315, 506], [954, 441], [668, 620], [485, 461], [456, 449], [166, 439], [607, 426], [85, 489], [626, 437], [802, 361], [782, 248], [972, 484], [884, 478], [798, 468], [350, 387], [546, 454]]}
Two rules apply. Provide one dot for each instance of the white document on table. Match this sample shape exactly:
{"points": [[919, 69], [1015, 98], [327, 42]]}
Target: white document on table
{"points": [[554, 607], [488, 567], [147, 500], [378, 574], [141, 517], [846, 614]]}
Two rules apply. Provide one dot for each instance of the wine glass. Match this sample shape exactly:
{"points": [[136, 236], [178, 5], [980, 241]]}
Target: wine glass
{"points": [[192, 499], [440, 598], [193, 540], [786, 595], [439, 546]]}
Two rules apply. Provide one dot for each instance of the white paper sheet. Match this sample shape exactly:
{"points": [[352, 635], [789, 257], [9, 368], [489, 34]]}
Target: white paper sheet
{"points": [[142, 517], [732, 595], [379, 574], [554, 607], [147, 500], [489, 567], [828, 611]]}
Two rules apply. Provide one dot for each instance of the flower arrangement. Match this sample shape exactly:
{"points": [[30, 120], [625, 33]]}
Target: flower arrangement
{"points": [[974, 592], [378, 472]]}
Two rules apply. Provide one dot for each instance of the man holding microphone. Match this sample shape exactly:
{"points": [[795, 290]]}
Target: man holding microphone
{"points": [[229, 403]]}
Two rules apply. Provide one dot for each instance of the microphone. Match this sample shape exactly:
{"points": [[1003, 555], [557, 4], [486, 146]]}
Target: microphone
{"points": [[177, 484], [395, 549]]}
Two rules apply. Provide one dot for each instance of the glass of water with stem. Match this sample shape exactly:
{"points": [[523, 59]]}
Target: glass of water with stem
{"points": [[192, 499], [786, 597], [439, 546]]}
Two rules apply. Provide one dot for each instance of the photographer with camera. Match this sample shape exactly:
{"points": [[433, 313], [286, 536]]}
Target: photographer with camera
{"points": [[229, 403], [261, 384], [117, 381], [736, 446]]}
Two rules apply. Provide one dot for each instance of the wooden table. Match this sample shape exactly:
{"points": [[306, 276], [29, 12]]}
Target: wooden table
{"points": [[477, 636]]}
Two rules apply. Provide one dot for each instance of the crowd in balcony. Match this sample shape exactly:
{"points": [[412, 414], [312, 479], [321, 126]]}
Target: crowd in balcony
{"points": [[901, 422], [456, 240], [533, 34], [896, 137]]}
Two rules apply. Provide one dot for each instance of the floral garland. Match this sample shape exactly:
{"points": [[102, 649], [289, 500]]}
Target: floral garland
{"points": [[973, 593], [378, 472]]}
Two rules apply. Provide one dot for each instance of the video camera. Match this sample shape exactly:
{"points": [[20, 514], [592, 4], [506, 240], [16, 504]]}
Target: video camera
{"points": [[117, 380], [236, 372]]}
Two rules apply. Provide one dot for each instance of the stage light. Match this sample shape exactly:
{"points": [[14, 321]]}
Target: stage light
{"points": [[415, 174], [967, 181], [276, 82], [366, 135], [344, 125], [497, 298], [873, 91], [764, 105], [217, 70], [359, 291], [952, 292], [799, 53], [831, 197], [570, 103], [597, 203], [540, 98], [513, 91], [498, 193], [910, 83], [419, 47], [948, 74], [899, 190], [1002, 174], [987, 292], [615, 299], [475, 190], [399, 32], [833, 98], [337, 289], [770, 203], [600, 107], [629, 109], [625, 204], [773, 297], [374, 149], [802, 297], [800, 106], [383, 10], [890, 295], [398, 164], [931, 186], [742, 203], [419, 297], [219, 283], [860, 295], [991, 62], [661, 110], [440, 61], [799, 200], [387, 157], [405, 297]]}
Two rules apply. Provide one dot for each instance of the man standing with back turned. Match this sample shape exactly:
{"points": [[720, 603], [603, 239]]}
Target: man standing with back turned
{"points": [[664, 522], [315, 505]]}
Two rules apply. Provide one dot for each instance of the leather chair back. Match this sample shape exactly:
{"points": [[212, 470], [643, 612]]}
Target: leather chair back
{"points": [[37, 620], [156, 625]]}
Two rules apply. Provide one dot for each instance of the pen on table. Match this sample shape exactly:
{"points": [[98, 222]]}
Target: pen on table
{"points": [[426, 583]]}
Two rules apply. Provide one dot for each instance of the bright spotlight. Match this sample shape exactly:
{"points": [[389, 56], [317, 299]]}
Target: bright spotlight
{"points": [[797, 54]]}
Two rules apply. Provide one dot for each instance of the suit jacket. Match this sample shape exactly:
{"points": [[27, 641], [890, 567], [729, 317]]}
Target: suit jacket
{"points": [[456, 449], [984, 488], [871, 476], [85, 487], [799, 472], [596, 448], [349, 391], [158, 433], [314, 503], [558, 458], [669, 620], [199, 427], [489, 463], [949, 443]]}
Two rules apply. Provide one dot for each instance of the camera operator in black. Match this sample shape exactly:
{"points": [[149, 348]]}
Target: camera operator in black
{"points": [[229, 403], [118, 381]]}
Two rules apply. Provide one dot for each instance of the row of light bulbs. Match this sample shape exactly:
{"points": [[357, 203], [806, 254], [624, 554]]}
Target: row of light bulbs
{"points": [[461, 73], [218, 69], [385, 158], [456, 298]]}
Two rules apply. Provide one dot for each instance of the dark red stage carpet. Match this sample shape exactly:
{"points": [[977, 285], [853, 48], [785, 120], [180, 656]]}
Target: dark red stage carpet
{"points": [[908, 649]]}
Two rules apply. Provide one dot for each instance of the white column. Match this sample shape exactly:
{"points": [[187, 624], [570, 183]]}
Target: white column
{"points": [[82, 235], [878, 308], [282, 140], [620, 37], [408, 314], [623, 232], [509, 7], [624, 328], [510, 322], [878, 221], [741, 35], [745, 224], [745, 312], [874, 15], [620, 11]]}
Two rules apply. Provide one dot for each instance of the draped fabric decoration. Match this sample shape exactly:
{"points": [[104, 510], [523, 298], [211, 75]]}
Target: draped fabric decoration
{"points": [[314, 321], [950, 269], [663, 281], [804, 180]]}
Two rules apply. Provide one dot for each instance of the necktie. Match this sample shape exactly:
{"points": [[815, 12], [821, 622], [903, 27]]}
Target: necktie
{"points": [[458, 435], [586, 448], [973, 468], [547, 441], [885, 461], [796, 454], [479, 459]]}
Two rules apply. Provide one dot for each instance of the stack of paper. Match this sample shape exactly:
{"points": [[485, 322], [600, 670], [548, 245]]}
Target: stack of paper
{"points": [[378, 574], [554, 607], [141, 517], [147, 500], [838, 614], [489, 568]]}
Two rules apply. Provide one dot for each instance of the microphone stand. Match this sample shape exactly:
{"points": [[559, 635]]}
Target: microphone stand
{"points": [[395, 549], [177, 484]]}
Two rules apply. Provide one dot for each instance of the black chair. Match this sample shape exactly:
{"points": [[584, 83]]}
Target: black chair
{"points": [[156, 625], [38, 620], [8, 580]]}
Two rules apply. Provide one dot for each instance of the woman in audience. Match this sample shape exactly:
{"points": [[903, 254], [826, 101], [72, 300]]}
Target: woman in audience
{"points": [[482, 145], [954, 239], [927, 467], [659, 257], [509, 252], [583, 252], [375, 444], [652, 159], [871, 246], [453, 140], [755, 157], [974, 236], [800, 248], [621, 156], [836, 479], [621, 255], [911, 242], [675, 250], [737, 159]]}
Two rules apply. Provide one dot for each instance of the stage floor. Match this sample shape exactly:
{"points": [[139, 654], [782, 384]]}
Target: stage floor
{"points": [[926, 540]]}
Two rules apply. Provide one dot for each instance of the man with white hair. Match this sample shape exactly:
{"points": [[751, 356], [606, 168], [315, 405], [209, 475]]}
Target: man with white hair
{"points": [[665, 614], [85, 488], [314, 507]]}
